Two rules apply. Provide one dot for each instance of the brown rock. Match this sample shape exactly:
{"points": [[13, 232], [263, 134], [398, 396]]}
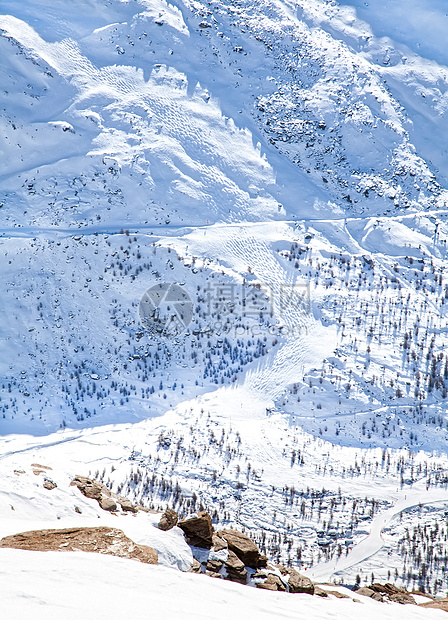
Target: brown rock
{"points": [[49, 484], [213, 574], [377, 597], [273, 582], [148, 554], [90, 488], [387, 588], [126, 504], [198, 530], [365, 592], [237, 576], [322, 593], [107, 503], [195, 567], [106, 540], [297, 583], [218, 543], [395, 594], [437, 604], [214, 566], [334, 593], [402, 598], [168, 520], [235, 569], [233, 562], [260, 574], [243, 546]]}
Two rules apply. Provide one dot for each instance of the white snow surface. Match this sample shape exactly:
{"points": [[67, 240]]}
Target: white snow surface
{"points": [[55, 584]]}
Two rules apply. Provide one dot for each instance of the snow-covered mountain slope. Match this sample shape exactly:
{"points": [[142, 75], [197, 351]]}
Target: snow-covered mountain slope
{"points": [[285, 164], [82, 583]]}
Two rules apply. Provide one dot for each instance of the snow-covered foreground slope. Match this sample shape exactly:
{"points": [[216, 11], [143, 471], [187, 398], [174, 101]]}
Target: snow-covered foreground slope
{"points": [[72, 584], [285, 164]]}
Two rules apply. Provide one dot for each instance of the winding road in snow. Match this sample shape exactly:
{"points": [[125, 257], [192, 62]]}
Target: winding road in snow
{"points": [[408, 498]]}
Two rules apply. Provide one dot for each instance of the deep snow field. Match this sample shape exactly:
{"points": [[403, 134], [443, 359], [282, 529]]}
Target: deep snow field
{"points": [[285, 164]]}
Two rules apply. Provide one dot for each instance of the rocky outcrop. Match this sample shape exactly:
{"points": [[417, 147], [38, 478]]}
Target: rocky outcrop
{"points": [[107, 503], [236, 571], [376, 596], [242, 546], [105, 540], [441, 604], [168, 520], [49, 484], [402, 598], [214, 566], [284, 579], [387, 591], [242, 553], [92, 489], [387, 588], [273, 582], [195, 567], [297, 583], [40, 469], [125, 504], [335, 593], [198, 529]]}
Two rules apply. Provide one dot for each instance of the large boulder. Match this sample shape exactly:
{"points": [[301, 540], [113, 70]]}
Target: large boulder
{"points": [[403, 598], [297, 583], [125, 504], [376, 596], [49, 484], [387, 588], [219, 544], [105, 540], [395, 594], [107, 503], [168, 520], [91, 489], [235, 569], [198, 529], [365, 592], [242, 546], [214, 566], [273, 582]]}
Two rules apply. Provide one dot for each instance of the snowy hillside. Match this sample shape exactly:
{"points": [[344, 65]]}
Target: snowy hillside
{"points": [[284, 164]]}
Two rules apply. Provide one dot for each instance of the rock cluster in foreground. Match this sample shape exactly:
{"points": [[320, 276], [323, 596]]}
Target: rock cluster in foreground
{"points": [[236, 557]]}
